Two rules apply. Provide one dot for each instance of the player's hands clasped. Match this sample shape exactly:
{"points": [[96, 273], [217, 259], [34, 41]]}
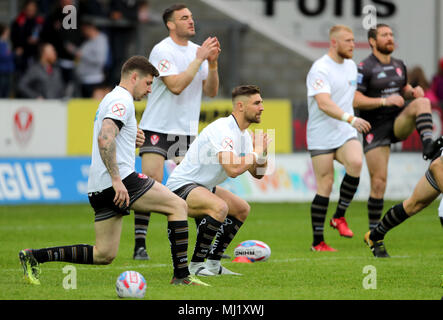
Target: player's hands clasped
{"points": [[361, 125], [260, 142], [210, 49]]}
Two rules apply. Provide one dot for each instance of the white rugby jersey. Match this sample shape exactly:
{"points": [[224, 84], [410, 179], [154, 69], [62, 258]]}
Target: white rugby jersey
{"points": [[340, 81], [118, 105], [201, 165], [166, 112]]}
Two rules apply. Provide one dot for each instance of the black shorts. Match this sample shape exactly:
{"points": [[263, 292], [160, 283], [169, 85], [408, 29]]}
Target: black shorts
{"points": [[103, 201], [184, 191], [431, 180], [382, 131], [380, 135], [167, 145]]}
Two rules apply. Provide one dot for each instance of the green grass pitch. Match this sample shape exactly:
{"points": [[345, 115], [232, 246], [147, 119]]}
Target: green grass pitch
{"points": [[293, 272]]}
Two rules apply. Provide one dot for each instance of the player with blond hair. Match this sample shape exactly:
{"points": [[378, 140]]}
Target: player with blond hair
{"points": [[332, 131]]}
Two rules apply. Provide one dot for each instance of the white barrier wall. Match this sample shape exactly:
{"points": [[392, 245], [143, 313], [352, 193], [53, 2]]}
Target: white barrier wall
{"points": [[293, 180], [32, 128]]}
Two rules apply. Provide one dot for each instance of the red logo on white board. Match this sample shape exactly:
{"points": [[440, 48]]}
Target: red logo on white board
{"points": [[23, 125]]}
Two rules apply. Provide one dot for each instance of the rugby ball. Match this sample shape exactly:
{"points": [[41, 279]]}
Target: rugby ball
{"points": [[130, 284], [254, 250]]}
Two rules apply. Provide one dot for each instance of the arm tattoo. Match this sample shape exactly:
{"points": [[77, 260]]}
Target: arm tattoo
{"points": [[107, 146]]}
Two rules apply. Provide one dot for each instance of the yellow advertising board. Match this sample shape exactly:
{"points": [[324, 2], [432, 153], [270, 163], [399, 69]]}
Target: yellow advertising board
{"points": [[276, 120], [81, 115]]}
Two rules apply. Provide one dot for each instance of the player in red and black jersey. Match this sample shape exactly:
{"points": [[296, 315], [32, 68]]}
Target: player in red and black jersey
{"points": [[382, 91]]}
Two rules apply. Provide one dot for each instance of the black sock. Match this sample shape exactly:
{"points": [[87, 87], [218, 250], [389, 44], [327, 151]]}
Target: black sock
{"points": [[80, 253], [319, 208], [205, 234], [441, 221], [391, 219], [424, 126], [348, 188], [224, 237], [198, 221], [178, 239], [141, 223], [375, 210]]}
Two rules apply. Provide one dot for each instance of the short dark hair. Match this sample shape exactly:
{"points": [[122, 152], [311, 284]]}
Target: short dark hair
{"points": [[141, 65], [167, 14], [245, 90], [372, 32]]}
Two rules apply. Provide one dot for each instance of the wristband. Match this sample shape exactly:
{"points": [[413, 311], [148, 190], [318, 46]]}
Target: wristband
{"points": [[259, 159], [383, 102], [348, 118]]}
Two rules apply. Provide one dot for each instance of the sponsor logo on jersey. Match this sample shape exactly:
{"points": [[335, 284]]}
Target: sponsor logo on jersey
{"points": [[318, 84], [381, 75], [164, 65], [118, 109], [228, 144]]}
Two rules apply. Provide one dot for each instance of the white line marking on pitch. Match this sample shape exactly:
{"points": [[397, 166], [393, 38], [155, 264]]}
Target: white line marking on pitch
{"points": [[164, 265]]}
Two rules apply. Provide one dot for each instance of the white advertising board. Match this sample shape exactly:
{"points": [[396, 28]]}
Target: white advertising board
{"points": [[303, 25], [32, 128], [293, 180]]}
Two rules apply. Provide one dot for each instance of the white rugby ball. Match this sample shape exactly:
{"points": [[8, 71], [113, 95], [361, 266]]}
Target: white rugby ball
{"points": [[254, 250], [130, 284]]}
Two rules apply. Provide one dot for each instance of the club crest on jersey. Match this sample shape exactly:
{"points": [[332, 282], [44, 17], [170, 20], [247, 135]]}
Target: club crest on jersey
{"points": [[164, 65], [318, 84], [118, 109], [399, 72], [154, 139], [228, 144]]}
